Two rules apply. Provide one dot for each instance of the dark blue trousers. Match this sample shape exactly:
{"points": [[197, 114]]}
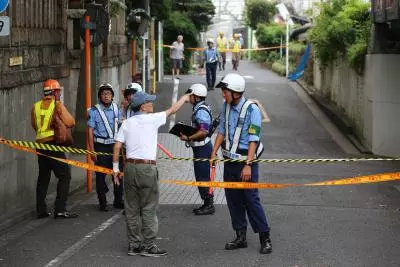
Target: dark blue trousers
{"points": [[211, 73], [242, 201], [202, 168], [101, 185]]}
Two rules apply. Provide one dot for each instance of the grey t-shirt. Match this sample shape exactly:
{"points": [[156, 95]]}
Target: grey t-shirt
{"points": [[177, 51]]}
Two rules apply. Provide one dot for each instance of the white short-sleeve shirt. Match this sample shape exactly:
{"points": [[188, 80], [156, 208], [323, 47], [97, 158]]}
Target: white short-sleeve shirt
{"points": [[139, 133]]}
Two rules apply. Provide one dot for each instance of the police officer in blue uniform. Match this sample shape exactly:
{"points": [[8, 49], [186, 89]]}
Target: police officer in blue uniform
{"points": [[130, 90], [239, 136], [103, 127], [201, 144]]}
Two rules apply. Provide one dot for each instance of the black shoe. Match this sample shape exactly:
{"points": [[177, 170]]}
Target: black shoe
{"points": [[43, 215], [153, 251], [239, 242], [132, 251], [266, 245], [197, 209], [104, 208], [119, 205], [205, 210], [65, 215]]}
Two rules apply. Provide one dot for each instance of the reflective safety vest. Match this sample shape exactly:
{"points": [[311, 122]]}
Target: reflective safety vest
{"points": [[221, 44], [44, 130], [231, 149], [202, 106], [236, 47], [111, 134]]}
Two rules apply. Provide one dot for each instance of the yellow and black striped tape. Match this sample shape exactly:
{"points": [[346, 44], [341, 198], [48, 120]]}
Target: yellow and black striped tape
{"points": [[375, 178], [66, 149], [35, 145], [288, 160]]}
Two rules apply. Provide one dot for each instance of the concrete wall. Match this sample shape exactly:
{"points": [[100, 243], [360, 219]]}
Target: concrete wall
{"points": [[370, 102], [345, 88], [382, 104]]}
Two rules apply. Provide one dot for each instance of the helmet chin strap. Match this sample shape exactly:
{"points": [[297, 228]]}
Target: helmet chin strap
{"points": [[235, 99]]}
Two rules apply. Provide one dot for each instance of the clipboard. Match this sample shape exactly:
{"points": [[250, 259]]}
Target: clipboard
{"points": [[182, 128]]}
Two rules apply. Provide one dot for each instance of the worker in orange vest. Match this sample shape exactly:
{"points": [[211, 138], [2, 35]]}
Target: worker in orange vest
{"points": [[42, 120]]}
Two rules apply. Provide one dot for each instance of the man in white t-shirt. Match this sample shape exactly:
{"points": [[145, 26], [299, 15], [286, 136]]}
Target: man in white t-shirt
{"points": [[139, 134]]}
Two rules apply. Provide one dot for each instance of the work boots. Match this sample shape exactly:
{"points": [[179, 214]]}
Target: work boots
{"points": [[239, 242], [266, 245], [102, 202], [207, 209]]}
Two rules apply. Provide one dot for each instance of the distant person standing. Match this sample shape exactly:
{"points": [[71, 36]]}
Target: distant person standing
{"points": [[177, 56], [210, 57], [236, 51], [222, 45]]}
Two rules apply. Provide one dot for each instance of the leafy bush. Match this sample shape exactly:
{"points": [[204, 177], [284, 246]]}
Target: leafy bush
{"points": [[279, 68], [342, 28], [297, 49], [269, 35], [273, 56]]}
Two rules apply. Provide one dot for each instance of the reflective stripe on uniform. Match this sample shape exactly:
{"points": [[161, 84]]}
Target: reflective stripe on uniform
{"points": [[221, 44], [200, 143], [43, 130], [236, 47], [231, 148], [106, 123]]}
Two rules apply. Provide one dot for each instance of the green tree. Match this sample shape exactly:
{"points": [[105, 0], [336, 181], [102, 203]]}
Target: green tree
{"points": [[342, 29], [200, 12], [259, 11], [160, 9]]}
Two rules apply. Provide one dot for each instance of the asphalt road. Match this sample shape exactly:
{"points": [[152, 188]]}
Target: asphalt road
{"points": [[355, 225]]}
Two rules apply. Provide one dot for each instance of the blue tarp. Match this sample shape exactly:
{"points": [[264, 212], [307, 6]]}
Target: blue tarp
{"points": [[298, 73]]}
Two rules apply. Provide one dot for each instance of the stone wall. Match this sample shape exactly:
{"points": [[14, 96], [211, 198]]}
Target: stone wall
{"points": [[42, 42]]}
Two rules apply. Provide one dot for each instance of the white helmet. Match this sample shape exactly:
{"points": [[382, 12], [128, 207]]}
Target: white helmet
{"points": [[135, 87], [233, 82], [197, 89], [210, 41]]}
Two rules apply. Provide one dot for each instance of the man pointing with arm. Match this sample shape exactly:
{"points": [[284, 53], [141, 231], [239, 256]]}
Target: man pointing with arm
{"points": [[139, 134]]}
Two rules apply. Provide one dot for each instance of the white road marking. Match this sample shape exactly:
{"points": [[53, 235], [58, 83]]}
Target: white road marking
{"points": [[81, 243], [248, 77], [174, 99]]}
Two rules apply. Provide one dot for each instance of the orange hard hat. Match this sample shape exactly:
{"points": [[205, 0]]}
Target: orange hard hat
{"points": [[50, 85]]}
